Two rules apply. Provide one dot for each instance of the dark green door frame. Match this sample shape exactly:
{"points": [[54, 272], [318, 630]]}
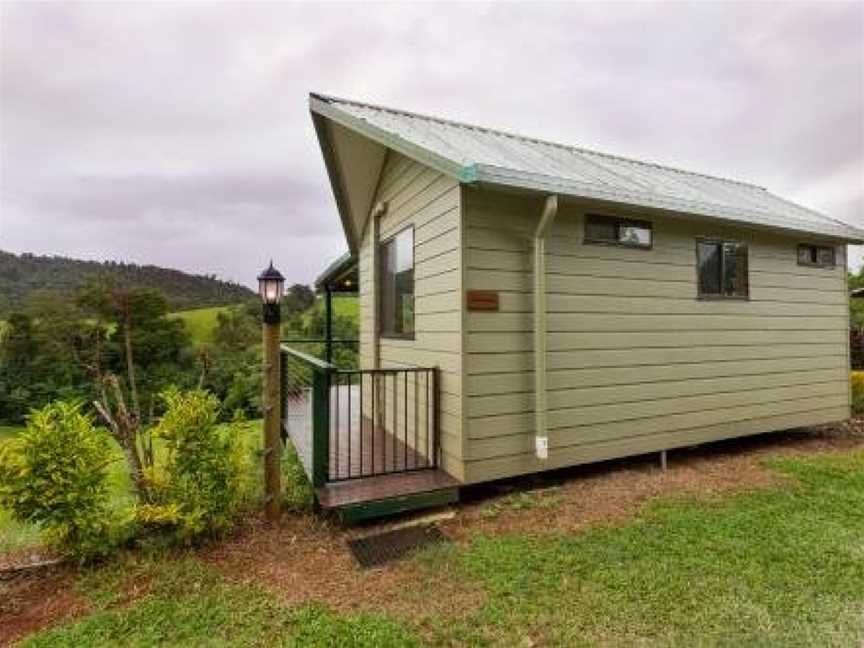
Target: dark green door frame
{"points": [[328, 323]]}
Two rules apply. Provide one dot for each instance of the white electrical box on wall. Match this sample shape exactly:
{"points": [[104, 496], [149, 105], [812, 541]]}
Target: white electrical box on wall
{"points": [[542, 447]]}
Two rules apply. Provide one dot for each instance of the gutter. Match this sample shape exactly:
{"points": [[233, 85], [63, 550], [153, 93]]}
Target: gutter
{"points": [[503, 177], [541, 434]]}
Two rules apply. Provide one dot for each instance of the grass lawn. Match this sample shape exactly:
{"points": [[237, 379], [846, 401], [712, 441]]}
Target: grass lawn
{"points": [[9, 431], [779, 566], [200, 323], [343, 306]]}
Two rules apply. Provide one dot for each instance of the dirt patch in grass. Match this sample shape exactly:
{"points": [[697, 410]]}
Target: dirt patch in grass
{"points": [[23, 557], [32, 602], [571, 499], [306, 559]]}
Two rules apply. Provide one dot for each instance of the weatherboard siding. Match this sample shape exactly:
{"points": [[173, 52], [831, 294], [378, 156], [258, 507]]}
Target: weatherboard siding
{"points": [[419, 196], [636, 363]]}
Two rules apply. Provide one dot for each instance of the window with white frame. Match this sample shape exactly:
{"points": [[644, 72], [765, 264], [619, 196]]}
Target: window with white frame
{"points": [[396, 288]]}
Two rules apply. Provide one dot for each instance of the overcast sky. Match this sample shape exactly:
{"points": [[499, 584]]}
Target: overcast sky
{"points": [[179, 134]]}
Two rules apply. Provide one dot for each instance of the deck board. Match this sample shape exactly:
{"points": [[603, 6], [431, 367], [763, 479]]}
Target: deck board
{"points": [[370, 489], [358, 448]]}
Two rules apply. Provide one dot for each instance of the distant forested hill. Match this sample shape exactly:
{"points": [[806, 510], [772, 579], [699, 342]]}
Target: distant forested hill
{"points": [[21, 275]]}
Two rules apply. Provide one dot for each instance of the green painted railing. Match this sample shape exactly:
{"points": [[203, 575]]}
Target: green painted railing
{"points": [[348, 423], [306, 410]]}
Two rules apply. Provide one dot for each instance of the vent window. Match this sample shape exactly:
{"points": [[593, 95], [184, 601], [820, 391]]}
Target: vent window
{"points": [[821, 256], [609, 230]]}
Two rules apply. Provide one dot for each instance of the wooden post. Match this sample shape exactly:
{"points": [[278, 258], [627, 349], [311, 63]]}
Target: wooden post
{"points": [[377, 392], [272, 420], [375, 278]]}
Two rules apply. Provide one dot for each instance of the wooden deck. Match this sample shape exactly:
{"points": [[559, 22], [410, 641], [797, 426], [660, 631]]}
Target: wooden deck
{"points": [[358, 448], [368, 463], [383, 487]]}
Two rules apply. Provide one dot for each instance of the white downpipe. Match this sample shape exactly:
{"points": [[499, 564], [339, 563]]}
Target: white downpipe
{"points": [[541, 438]]}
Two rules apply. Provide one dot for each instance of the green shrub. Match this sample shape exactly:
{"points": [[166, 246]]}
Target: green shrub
{"points": [[297, 492], [199, 481], [857, 393], [54, 474]]}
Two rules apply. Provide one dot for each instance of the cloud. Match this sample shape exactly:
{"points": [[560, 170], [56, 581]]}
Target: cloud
{"points": [[179, 133]]}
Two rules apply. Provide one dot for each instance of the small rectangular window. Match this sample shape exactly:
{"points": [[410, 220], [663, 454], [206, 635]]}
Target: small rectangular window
{"points": [[723, 270], [611, 230], [397, 285], [821, 256]]}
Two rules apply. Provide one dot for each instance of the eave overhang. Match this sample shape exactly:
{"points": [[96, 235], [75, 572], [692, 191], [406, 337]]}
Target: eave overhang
{"points": [[498, 177]]}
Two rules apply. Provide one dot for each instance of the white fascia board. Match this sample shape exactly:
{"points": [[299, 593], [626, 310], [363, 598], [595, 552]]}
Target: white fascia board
{"points": [[420, 154], [336, 184]]}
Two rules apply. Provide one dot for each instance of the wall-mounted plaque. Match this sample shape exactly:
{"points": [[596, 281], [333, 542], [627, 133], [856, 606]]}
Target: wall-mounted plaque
{"points": [[482, 300]]}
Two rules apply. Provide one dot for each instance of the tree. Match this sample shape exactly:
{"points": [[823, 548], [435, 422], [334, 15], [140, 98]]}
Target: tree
{"points": [[19, 343], [233, 371], [146, 342], [17, 352], [150, 349], [236, 330], [42, 356], [856, 305], [298, 298], [21, 275]]}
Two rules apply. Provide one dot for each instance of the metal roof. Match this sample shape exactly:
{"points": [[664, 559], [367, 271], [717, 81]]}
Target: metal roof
{"points": [[474, 154], [336, 271]]}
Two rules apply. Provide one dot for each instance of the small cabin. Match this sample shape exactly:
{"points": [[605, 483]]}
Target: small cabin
{"points": [[527, 305]]}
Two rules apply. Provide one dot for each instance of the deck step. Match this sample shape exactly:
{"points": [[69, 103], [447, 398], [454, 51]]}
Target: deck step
{"points": [[382, 495]]}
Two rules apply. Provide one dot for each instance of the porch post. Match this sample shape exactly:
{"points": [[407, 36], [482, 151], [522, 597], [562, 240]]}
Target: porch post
{"points": [[377, 394], [270, 285], [320, 426], [272, 419], [375, 279], [328, 323]]}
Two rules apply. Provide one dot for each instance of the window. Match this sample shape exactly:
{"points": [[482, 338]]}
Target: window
{"points": [[618, 231], [397, 285], [722, 269], [821, 256]]}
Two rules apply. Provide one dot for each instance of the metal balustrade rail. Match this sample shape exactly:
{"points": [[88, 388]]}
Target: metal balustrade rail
{"points": [[382, 421], [354, 423]]}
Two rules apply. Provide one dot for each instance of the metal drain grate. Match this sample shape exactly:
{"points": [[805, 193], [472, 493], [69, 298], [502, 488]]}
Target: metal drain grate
{"points": [[376, 550]]}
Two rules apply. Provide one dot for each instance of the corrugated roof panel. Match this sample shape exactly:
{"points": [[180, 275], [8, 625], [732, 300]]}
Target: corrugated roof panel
{"points": [[529, 163]]}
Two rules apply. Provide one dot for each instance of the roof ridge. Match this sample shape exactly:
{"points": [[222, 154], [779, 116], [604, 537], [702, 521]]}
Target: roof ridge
{"points": [[536, 140]]}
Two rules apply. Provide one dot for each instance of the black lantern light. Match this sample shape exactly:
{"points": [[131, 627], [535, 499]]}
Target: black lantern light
{"points": [[271, 285]]}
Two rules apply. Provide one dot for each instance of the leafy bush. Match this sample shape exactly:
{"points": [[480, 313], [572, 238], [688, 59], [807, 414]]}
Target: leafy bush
{"points": [[235, 378], [54, 475], [856, 345], [200, 482], [857, 392], [297, 491]]}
